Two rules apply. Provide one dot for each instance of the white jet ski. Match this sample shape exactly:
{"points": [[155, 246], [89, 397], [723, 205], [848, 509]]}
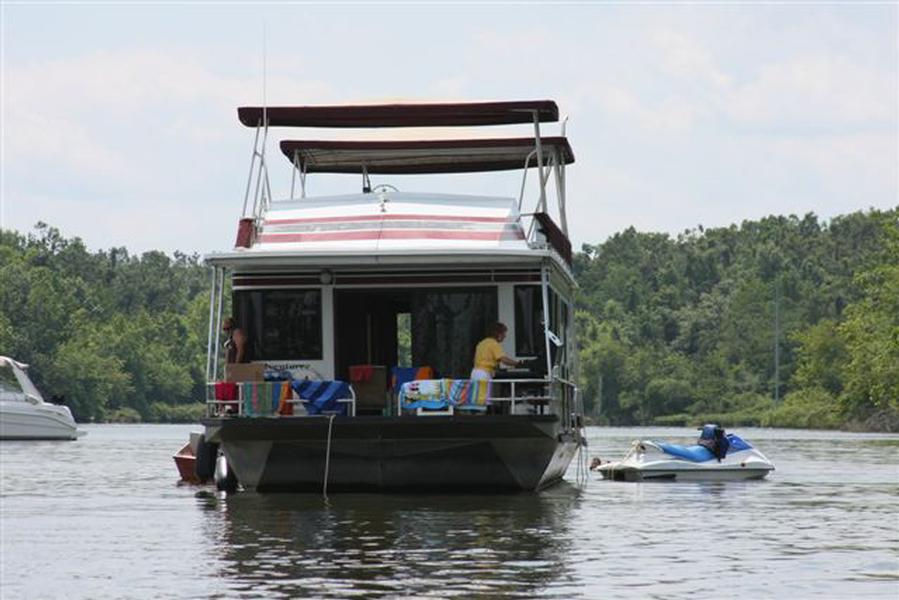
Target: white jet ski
{"points": [[716, 457]]}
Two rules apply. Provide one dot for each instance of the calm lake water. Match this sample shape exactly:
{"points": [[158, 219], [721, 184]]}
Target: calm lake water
{"points": [[104, 517]]}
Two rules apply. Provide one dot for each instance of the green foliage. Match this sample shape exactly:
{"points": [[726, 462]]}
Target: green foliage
{"points": [[144, 345], [822, 357], [684, 330], [124, 415], [671, 330], [177, 413], [871, 335], [810, 407], [113, 333], [404, 339], [87, 374]]}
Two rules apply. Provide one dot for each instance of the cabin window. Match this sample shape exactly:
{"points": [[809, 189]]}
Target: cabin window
{"points": [[558, 324], [281, 324], [447, 325], [529, 321], [529, 339], [560, 328], [412, 327]]}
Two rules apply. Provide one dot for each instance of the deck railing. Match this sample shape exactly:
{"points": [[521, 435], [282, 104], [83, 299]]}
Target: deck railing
{"points": [[236, 407], [523, 396]]}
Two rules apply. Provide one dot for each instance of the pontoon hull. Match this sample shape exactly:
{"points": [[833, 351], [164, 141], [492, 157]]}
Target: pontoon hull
{"points": [[457, 453]]}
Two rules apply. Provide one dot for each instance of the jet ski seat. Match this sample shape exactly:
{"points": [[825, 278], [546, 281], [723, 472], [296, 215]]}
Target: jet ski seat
{"points": [[692, 453]]}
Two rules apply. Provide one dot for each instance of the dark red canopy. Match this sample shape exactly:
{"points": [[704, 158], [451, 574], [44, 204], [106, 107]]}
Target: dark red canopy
{"points": [[402, 115], [416, 156]]}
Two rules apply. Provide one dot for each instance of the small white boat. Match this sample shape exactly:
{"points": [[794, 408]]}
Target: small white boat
{"points": [[716, 457], [24, 415]]}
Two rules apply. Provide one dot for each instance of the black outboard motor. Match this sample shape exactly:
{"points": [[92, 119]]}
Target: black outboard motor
{"points": [[713, 439]]}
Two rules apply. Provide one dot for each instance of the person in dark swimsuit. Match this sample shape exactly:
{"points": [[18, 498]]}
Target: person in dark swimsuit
{"points": [[236, 344]]}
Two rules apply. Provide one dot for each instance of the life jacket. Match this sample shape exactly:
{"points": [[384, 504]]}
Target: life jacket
{"points": [[713, 439]]}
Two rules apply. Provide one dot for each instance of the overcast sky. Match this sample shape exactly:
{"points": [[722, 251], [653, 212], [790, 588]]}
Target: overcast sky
{"points": [[119, 122]]}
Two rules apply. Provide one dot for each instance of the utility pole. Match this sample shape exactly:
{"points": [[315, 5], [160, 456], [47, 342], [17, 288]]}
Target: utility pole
{"points": [[597, 409], [777, 341]]}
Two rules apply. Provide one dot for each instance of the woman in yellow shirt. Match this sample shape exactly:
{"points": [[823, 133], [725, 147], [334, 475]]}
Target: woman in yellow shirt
{"points": [[489, 353]]}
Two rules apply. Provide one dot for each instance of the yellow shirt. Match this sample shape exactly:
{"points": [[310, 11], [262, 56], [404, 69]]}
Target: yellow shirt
{"points": [[487, 355]]}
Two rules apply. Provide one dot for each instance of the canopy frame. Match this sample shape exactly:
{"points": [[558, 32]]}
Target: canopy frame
{"points": [[550, 163]]}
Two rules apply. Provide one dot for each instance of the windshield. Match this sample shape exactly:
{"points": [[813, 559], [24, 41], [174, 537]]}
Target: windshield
{"points": [[9, 385], [14, 383]]}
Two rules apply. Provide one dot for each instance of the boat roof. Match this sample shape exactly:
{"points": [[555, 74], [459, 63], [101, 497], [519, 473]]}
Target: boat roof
{"points": [[397, 228], [402, 114], [423, 156], [405, 221]]}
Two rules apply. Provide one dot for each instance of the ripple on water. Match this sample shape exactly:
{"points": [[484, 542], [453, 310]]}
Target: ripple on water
{"points": [[103, 518]]}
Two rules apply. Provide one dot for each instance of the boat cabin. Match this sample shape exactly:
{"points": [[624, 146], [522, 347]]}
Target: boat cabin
{"points": [[385, 286]]}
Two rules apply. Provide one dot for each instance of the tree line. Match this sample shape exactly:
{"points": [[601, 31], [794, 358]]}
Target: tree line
{"points": [[123, 337], [784, 321]]}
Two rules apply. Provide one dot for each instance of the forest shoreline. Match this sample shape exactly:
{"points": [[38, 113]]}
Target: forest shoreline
{"points": [[780, 322]]}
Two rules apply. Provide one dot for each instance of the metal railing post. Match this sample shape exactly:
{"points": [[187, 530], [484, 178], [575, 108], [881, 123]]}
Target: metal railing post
{"points": [[246, 195], [293, 172], [259, 174], [544, 288], [220, 286], [303, 181], [542, 204], [209, 371], [559, 171], [524, 178], [268, 189]]}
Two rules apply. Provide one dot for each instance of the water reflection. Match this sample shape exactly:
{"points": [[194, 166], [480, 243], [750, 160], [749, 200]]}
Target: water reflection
{"points": [[295, 545], [103, 518]]}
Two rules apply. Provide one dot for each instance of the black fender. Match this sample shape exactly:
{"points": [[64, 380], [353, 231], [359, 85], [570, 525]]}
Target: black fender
{"points": [[207, 452]]}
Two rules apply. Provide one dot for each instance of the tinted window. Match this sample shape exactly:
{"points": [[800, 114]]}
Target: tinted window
{"points": [[8, 381], [281, 324], [447, 325], [529, 321]]}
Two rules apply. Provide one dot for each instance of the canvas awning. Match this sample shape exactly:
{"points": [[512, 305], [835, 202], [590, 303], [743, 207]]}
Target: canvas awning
{"points": [[416, 156], [402, 115]]}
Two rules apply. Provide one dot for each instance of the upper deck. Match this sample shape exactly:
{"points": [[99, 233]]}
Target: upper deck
{"points": [[385, 226], [320, 285]]}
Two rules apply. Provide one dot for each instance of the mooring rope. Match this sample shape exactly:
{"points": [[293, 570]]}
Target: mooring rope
{"points": [[327, 456], [579, 477], [582, 472]]}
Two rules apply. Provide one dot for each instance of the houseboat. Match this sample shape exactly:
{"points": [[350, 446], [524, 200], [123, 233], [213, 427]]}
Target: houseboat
{"points": [[359, 313]]}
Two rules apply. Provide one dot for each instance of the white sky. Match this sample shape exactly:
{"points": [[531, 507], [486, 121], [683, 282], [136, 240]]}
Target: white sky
{"points": [[119, 121]]}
